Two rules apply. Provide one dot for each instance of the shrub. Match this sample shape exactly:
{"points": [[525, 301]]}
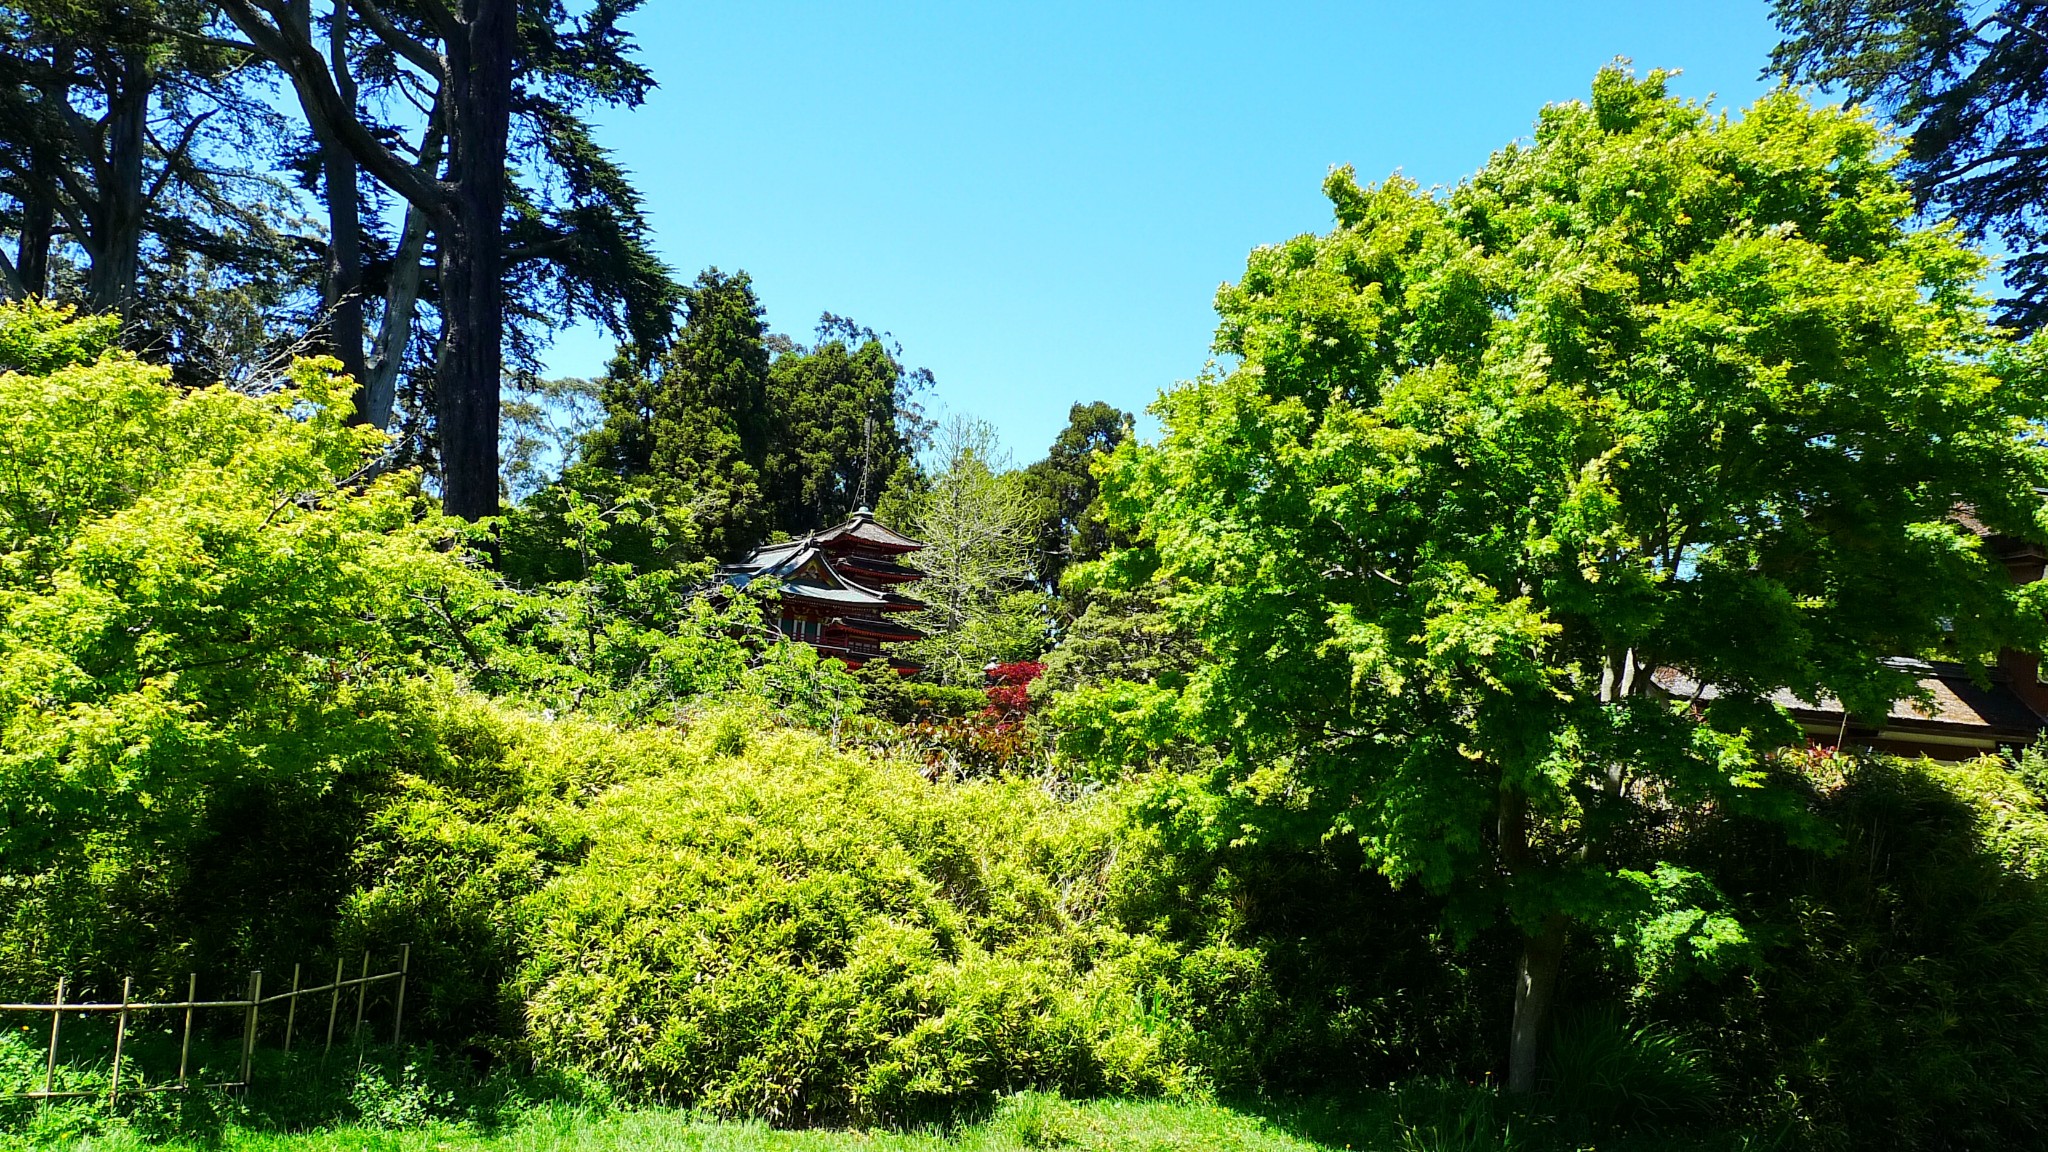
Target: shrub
{"points": [[1898, 1000], [1607, 1071], [800, 934]]}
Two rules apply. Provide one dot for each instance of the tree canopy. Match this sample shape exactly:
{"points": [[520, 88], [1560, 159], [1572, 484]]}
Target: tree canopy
{"points": [[1966, 78], [1661, 389]]}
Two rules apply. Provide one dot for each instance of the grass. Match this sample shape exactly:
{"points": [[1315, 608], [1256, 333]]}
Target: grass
{"points": [[1030, 1122], [1422, 1118]]}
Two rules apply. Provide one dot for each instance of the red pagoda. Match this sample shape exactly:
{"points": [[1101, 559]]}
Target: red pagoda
{"points": [[839, 590]]}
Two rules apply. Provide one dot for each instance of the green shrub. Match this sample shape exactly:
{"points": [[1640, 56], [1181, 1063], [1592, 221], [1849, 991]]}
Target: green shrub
{"points": [[793, 933], [1606, 1071], [1898, 1003]]}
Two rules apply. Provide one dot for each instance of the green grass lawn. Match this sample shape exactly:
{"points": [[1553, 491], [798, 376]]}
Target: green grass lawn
{"points": [[1394, 1122], [1030, 1122]]}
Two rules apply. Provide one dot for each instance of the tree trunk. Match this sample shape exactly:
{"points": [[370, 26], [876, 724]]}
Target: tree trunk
{"points": [[387, 355], [344, 291], [117, 250], [37, 221], [1535, 985], [472, 292]]}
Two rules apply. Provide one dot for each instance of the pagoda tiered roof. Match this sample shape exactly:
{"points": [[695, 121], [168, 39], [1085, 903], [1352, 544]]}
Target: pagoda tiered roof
{"points": [[835, 588]]}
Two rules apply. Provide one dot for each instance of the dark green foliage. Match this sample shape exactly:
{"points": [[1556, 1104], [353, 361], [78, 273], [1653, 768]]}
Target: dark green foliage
{"points": [[731, 434], [1965, 77], [845, 425], [1897, 1005], [690, 429], [1611, 1073], [1071, 525]]}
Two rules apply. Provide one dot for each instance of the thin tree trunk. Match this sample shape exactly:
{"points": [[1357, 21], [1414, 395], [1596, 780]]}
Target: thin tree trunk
{"points": [[1535, 987], [117, 252], [379, 389], [344, 226], [1542, 952], [472, 303]]}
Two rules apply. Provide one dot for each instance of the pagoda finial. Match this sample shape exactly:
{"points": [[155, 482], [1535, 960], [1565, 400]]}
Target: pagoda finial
{"points": [[863, 513]]}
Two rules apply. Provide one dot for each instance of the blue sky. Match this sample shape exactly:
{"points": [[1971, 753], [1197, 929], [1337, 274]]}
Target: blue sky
{"points": [[1039, 201]]}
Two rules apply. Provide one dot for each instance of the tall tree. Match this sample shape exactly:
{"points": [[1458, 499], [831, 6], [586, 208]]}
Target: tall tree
{"points": [[691, 427], [845, 421], [1070, 524], [473, 68], [1969, 80], [123, 141], [1660, 394]]}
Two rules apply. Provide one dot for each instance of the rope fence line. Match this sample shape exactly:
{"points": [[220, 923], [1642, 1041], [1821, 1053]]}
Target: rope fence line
{"points": [[251, 1005]]}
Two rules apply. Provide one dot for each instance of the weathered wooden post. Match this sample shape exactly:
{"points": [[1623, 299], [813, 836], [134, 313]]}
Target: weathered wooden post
{"points": [[398, 1016], [333, 1010], [185, 1046], [120, 1037], [56, 1018], [249, 1028], [362, 992], [291, 1012]]}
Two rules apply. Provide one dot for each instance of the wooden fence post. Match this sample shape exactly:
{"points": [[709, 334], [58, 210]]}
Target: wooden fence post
{"points": [[398, 1016], [185, 1047], [333, 1010], [249, 1029], [291, 1013], [362, 992], [120, 1037], [56, 1017]]}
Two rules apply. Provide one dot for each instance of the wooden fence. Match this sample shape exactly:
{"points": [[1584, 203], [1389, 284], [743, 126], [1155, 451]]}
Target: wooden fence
{"points": [[251, 1006]]}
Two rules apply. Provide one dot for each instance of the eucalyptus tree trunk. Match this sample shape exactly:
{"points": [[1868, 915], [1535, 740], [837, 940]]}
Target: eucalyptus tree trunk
{"points": [[472, 258], [379, 386], [344, 280], [116, 247]]}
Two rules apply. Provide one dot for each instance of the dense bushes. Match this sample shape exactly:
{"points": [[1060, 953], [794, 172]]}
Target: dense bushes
{"points": [[773, 929], [1897, 999]]}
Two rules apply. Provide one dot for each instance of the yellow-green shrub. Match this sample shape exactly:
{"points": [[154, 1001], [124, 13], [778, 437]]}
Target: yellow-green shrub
{"points": [[797, 933]]}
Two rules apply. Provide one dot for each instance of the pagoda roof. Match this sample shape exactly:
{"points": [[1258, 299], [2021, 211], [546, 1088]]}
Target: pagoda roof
{"points": [[865, 529], [873, 626], [806, 572]]}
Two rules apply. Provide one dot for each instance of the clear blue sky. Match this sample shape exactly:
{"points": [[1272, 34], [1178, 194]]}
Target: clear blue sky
{"points": [[1039, 201]]}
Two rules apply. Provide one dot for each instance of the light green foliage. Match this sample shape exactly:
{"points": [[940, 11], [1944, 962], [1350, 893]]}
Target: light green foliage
{"points": [[197, 612], [770, 928], [977, 523], [1023, 1123], [1661, 388]]}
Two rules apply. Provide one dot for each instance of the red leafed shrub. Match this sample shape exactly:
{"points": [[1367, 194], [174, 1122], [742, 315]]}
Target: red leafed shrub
{"points": [[1009, 689]]}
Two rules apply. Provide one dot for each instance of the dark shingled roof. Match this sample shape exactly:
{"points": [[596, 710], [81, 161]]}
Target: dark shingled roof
{"points": [[865, 530], [1954, 701]]}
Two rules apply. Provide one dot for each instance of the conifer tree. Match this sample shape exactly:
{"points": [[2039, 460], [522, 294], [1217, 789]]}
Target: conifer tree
{"points": [[691, 429]]}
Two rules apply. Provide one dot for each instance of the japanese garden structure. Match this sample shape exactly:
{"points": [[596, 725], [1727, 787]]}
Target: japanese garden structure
{"points": [[838, 589]]}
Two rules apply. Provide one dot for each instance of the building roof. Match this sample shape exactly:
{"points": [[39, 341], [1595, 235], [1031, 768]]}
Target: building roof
{"points": [[863, 529], [874, 627], [1953, 701]]}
